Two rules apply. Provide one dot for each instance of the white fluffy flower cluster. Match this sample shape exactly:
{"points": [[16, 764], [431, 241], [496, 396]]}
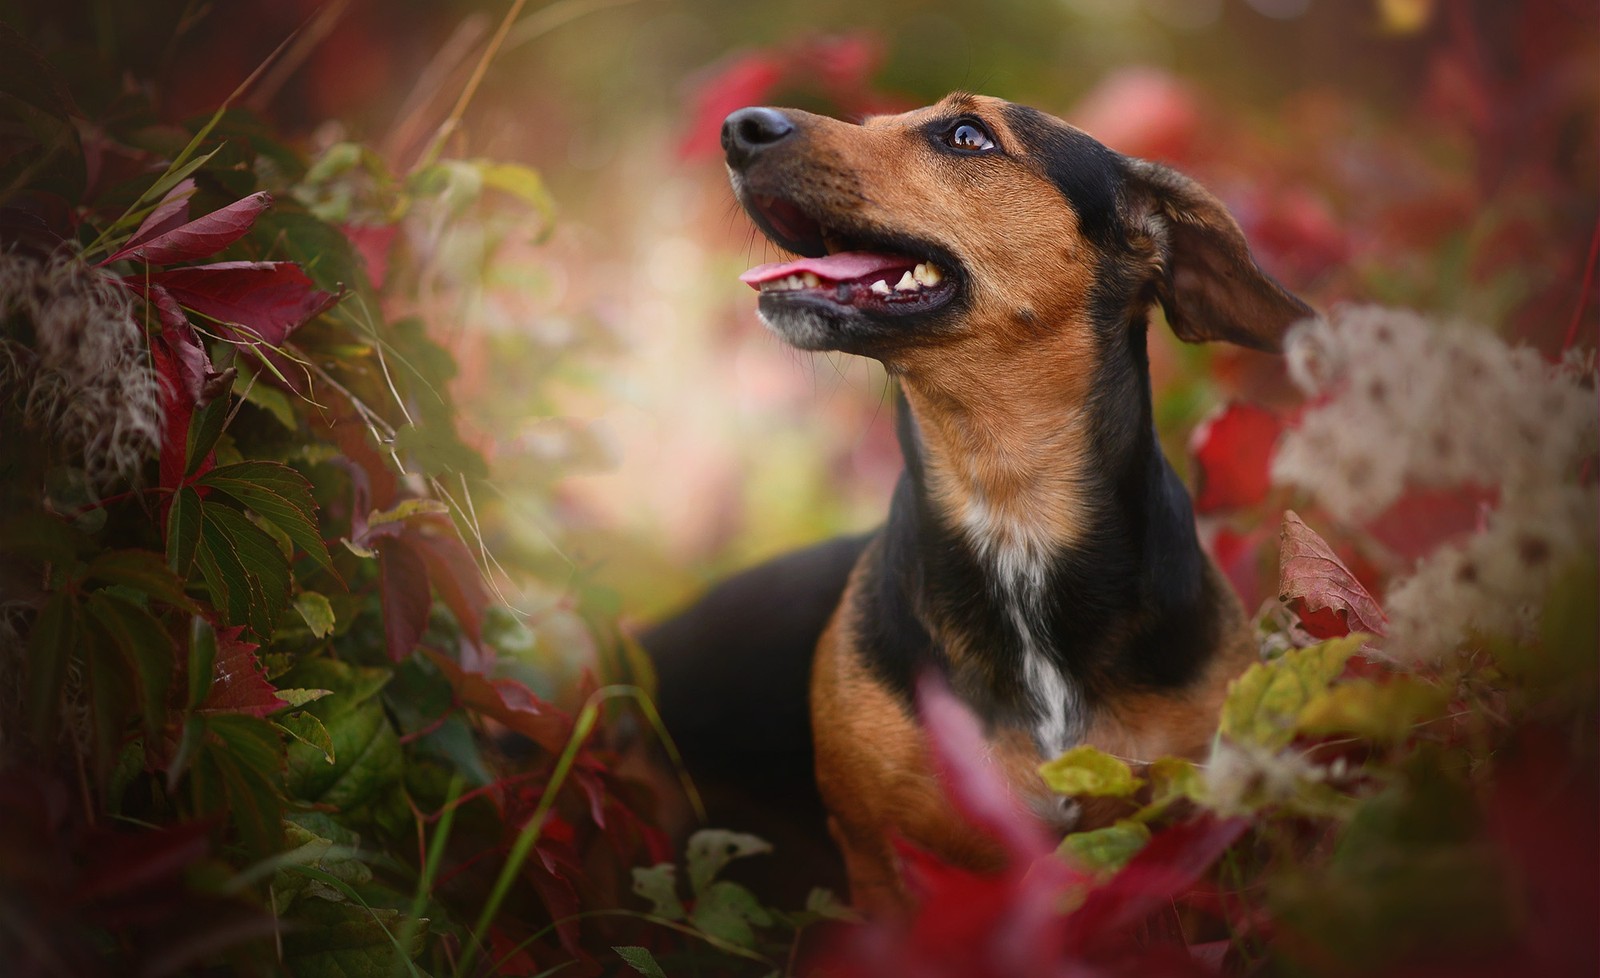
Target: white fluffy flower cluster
{"points": [[1399, 402], [73, 365]]}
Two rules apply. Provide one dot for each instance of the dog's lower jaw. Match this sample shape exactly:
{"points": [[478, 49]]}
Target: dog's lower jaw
{"points": [[802, 329]]}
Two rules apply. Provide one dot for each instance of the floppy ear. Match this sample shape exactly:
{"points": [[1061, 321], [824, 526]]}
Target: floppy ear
{"points": [[1210, 286]]}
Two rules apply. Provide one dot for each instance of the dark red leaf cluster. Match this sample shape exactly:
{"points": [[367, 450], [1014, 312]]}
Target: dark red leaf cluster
{"points": [[1012, 924]]}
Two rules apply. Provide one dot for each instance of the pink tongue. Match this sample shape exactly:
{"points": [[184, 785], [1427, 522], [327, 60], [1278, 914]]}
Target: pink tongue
{"points": [[842, 267]]}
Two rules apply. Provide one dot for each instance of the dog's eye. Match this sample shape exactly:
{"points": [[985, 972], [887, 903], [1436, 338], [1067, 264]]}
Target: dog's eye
{"points": [[969, 136]]}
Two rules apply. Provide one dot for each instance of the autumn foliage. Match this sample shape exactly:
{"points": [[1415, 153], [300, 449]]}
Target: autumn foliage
{"points": [[265, 707]]}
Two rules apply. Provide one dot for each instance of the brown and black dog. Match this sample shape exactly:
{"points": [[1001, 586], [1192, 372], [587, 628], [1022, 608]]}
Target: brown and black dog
{"points": [[1040, 554]]}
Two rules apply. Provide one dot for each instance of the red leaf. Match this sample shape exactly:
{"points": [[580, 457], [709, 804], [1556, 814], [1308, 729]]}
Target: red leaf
{"points": [[453, 571], [372, 242], [1420, 521], [1142, 112], [403, 582], [1320, 588], [268, 299], [239, 684], [123, 863], [746, 80], [1239, 557], [979, 792], [185, 380], [199, 238], [1173, 861], [169, 214], [508, 702], [1232, 450]]}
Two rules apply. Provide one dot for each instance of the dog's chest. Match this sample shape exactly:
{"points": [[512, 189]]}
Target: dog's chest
{"points": [[1015, 544]]}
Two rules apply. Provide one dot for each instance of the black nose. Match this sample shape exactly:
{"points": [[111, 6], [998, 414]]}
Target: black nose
{"points": [[749, 131]]}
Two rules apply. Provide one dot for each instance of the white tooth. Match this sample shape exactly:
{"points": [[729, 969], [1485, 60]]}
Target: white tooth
{"points": [[881, 287], [792, 282], [906, 284], [933, 276], [810, 280], [768, 285], [920, 273]]}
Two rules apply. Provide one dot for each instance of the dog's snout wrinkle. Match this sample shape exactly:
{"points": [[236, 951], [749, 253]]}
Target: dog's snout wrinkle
{"points": [[749, 131]]}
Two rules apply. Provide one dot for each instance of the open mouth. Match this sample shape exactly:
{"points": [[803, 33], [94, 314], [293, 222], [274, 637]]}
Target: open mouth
{"points": [[877, 274]]}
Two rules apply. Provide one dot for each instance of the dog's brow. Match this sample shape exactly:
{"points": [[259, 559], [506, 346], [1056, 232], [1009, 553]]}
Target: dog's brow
{"points": [[961, 102]]}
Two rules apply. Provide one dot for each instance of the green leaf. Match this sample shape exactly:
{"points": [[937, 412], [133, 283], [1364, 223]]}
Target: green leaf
{"points": [[202, 659], [267, 397], [277, 494], [301, 696], [659, 885], [366, 749], [145, 647], [728, 911], [406, 509], [1264, 705], [1381, 712], [346, 940], [1088, 770], [237, 772], [53, 643], [322, 845], [108, 677], [204, 430], [711, 849], [141, 570], [523, 183], [317, 612], [183, 531], [641, 960], [1107, 849], [308, 730], [826, 905], [1172, 778], [244, 569]]}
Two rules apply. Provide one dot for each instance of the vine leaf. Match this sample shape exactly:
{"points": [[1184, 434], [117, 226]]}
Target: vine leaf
{"points": [[641, 960], [269, 300], [164, 238], [1320, 589], [169, 214], [407, 599], [1264, 705], [239, 683], [507, 701], [247, 574], [1086, 770], [709, 850], [277, 494]]}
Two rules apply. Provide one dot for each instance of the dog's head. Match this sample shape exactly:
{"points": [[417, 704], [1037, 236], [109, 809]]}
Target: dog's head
{"points": [[984, 229]]}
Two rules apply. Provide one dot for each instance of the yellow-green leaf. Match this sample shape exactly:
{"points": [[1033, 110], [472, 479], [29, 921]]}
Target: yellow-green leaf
{"points": [[1384, 712], [317, 612], [1172, 778], [1088, 770], [307, 729], [405, 510], [1264, 705], [1107, 849]]}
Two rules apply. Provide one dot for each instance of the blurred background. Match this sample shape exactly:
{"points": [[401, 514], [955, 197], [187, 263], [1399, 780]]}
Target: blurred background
{"points": [[647, 435]]}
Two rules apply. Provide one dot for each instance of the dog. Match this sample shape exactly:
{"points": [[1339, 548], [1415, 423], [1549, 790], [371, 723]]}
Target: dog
{"points": [[1040, 554]]}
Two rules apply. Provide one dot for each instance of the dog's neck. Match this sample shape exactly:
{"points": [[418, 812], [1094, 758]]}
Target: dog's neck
{"points": [[1051, 546]]}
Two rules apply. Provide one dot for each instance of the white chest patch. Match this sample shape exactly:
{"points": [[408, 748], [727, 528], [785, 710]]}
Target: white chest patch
{"points": [[1017, 551]]}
